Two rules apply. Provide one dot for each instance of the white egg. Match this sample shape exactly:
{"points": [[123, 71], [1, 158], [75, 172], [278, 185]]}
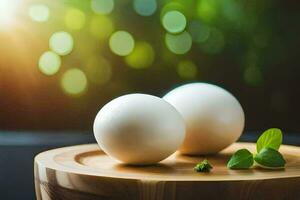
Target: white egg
{"points": [[213, 117], [139, 129]]}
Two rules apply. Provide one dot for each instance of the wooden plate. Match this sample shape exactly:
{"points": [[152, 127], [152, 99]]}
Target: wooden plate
{"points": [[86, 172]]}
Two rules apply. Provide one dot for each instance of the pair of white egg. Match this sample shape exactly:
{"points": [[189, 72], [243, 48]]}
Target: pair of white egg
{"points": [[197, 119]]}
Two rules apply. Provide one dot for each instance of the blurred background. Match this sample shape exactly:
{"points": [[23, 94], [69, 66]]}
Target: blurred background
{"points": [[61, 61]]}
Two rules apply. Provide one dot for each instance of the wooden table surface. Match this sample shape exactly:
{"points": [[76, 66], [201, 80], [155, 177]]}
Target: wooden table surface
{"points": [[86, 172]]}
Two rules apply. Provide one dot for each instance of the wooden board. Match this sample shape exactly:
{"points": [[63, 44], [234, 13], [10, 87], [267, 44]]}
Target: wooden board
{"points": [[86, 172]]}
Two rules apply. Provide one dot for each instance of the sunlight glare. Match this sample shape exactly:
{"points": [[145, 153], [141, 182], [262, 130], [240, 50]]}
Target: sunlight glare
{"points": [[8, 10]]}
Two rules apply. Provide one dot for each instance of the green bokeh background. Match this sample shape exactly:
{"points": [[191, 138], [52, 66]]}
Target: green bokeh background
{"points": [[250, 48]]}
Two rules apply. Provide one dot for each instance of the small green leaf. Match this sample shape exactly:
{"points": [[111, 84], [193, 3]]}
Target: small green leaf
{"points": [[269, 158], [242, 159], [204, 166], [271, 138]]}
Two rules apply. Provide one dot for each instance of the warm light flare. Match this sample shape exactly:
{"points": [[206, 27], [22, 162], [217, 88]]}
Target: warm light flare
{"points": [[8, 10]]}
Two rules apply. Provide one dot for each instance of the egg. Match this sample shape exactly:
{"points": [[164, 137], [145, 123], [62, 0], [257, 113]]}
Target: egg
{"points": [[139, 129], [213, 117]]}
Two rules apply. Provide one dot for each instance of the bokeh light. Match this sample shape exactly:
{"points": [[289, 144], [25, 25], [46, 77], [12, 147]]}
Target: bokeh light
{"points": [[232, 10], [187, 69], [199, 31], [145, 7], [172, 6], [179, 44], [49, 63], [253, 76], [74, 19], [61, 43], [207, 10], [121, 43], [174, 21], [39, 12], [214, 43], [74, 82], [161, 44], [101, 27], [102, 6], [98, 70], [141, 57]]}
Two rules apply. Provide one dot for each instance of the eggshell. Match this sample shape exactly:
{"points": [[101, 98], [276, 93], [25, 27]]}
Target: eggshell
{"points": [[139, 129], [214, 118]]}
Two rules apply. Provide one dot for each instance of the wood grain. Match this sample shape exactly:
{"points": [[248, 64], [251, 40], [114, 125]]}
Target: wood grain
{"points": [[86, 172]]}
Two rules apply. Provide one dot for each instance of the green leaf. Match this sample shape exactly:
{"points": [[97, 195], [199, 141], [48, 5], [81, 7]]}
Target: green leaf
{"points": [[271, 138], [269, 158], [242, 159], [204, 166]]}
